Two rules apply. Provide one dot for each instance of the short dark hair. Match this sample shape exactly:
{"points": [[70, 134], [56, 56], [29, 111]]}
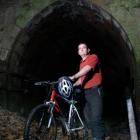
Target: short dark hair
{"points": [[83, 43]]}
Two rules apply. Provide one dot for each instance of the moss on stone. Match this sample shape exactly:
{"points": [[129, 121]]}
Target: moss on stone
{"points": [[23, 17], [29, 10], [124, 12]]}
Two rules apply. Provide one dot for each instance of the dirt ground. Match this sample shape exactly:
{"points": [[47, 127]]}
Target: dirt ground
{"points": [[12, 126]]}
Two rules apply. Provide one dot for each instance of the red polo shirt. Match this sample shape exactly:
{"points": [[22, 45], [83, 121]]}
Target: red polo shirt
{"points": [[93, 78]]}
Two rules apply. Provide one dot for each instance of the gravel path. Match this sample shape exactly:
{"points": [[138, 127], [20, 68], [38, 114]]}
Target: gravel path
{"points": [[12, 125]]}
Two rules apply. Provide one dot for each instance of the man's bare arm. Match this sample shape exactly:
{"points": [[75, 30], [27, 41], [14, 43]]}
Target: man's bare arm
{"points": [[82, 72], [77, 83]]}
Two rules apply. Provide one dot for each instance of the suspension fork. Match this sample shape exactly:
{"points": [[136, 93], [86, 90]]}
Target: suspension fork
{"points": [[51, 114], [50, 111], [52, 105]]}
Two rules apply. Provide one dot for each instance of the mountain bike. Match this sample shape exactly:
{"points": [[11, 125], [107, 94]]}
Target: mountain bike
{"points": [[47, 121]]}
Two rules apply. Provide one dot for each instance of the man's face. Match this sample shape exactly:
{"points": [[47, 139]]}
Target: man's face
{"points": [[83, 50]]}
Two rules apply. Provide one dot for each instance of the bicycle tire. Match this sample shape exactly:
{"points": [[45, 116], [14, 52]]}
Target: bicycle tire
{"points": [[36, 124]]}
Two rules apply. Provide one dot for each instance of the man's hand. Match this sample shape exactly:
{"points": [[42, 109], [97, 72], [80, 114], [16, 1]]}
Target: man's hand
{"points": [[77, 83], [72, 78], [82, 72]]}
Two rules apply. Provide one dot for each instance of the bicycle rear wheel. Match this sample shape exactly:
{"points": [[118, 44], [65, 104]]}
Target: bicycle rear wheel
{"points": [[36, 127]]}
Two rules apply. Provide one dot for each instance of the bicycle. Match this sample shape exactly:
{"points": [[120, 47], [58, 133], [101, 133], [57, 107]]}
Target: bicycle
{"points": [[48, 122]]}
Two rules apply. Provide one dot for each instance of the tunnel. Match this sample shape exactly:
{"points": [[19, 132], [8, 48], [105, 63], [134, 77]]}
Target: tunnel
{"points": [[46, 49]]}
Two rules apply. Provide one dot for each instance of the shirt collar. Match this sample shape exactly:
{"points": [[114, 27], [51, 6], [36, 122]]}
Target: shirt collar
{"points": [[85, 59]]}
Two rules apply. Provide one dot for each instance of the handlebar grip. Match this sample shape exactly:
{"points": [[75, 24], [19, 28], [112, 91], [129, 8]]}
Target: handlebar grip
{"points": [[38, 83]]}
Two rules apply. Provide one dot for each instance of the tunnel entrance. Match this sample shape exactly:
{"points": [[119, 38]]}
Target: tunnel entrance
{"points": [[47, 49]]}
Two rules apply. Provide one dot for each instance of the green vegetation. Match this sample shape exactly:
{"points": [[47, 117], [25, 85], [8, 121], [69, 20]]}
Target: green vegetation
{"points": [[127, 12]]}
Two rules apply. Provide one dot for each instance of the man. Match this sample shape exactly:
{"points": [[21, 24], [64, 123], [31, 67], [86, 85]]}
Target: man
{"points": [[90, 78]]}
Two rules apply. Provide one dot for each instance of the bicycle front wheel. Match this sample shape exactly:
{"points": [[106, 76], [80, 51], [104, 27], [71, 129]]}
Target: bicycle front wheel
{"points": [[40, 124]]}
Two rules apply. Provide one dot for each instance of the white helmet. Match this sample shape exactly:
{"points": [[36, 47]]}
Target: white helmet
{"points": [[65, 87]]}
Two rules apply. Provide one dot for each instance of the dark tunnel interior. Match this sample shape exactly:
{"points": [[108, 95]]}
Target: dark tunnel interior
{"points": [[52, 52]]}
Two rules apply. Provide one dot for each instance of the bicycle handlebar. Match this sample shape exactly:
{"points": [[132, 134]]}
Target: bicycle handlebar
{"points": [[45, 83]]}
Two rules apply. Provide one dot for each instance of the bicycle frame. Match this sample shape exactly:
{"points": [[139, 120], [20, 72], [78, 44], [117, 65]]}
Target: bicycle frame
{"points": [[72, 109], [45, 120]]}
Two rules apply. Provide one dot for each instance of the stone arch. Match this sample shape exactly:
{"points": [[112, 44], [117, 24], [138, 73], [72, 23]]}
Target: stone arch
{"points": [[65, 23]]}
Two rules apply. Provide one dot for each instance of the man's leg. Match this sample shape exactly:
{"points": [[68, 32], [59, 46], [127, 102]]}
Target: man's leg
{"points": [[93, 113]]}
